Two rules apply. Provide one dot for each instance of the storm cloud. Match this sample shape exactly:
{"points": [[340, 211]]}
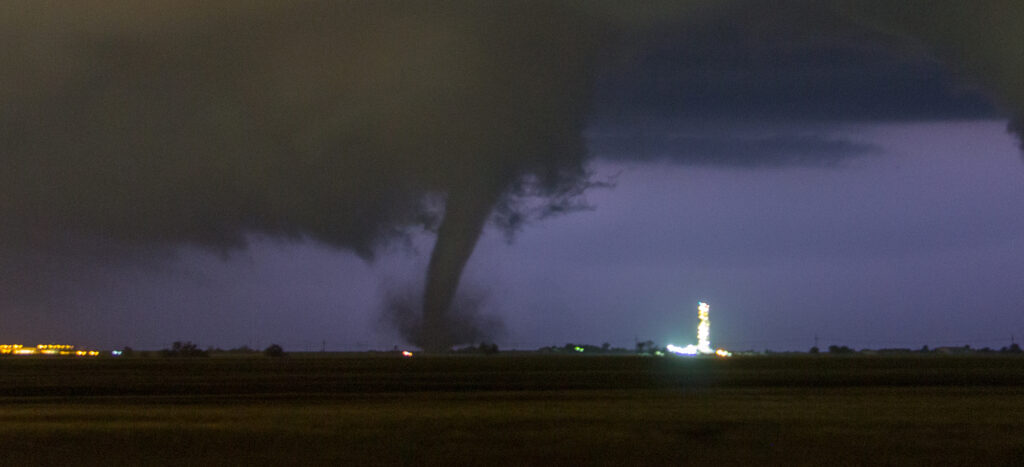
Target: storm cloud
{"points": [[981, 41], [726, 147], [762, 84], [342, 122], [157, 122], [131, 127]]}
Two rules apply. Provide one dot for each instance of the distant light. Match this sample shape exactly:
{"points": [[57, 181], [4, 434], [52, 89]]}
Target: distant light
{"points": [[54, 347], [579, 349], [723, 353], [406, 353], [115, 353], [688, 350], [40, 349]]}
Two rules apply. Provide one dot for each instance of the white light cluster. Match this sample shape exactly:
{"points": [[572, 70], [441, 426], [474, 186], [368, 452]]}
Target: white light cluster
{"points": [[688, 350], [703, 329], [703, 346]]}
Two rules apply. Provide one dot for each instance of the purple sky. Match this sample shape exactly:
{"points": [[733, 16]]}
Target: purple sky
{"points": [[918, 244]]}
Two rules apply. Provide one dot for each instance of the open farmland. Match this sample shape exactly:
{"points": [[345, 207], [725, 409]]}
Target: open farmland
{"points": [[513, 410]]}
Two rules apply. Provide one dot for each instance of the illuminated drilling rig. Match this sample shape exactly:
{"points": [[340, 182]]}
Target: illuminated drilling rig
{"points": [[704, 328], [703, 346]]}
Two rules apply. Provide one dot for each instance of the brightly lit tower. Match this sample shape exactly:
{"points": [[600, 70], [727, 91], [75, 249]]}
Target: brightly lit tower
{"points": [[704, 329], [703, 337]]}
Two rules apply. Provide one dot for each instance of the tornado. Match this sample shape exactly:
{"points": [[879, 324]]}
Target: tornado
{"points": [[466, 213]]}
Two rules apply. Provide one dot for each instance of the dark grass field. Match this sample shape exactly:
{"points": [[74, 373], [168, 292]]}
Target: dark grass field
{"points": [[513, 410]]}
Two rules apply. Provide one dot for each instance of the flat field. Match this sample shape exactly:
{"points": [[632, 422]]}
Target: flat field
{"points": [[513, 410]]}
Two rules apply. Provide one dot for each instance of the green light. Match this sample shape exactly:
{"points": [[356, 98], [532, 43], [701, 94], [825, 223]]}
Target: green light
{"points": [[579, 349]]}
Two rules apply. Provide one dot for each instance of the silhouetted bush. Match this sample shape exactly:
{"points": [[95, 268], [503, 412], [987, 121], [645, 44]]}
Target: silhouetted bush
{"points": [[645, 347], [814, 350], [183, 349], [273, 351], [839, 349]]}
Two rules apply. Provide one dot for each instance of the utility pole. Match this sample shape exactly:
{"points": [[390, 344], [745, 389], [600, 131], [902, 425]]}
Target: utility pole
{"points": [[815, 341]]}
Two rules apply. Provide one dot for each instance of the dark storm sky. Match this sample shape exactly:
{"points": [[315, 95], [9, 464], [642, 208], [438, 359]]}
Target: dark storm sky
{"points": [[258, 174]]}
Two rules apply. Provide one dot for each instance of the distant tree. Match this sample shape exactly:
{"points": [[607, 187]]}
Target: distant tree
{"points": [[814, 350], [839, 349], [606, 347], [924, 349], [273, 351], [127, 351], [1013, 348], [183, 349], [645, 347]]}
